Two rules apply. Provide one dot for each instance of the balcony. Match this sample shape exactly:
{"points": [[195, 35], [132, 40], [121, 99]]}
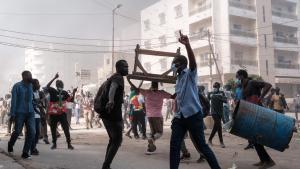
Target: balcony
{"points": [[246, 6], [244, 62], [287, 66], [198, 36], [239, 32], [284, 14], [291, 40], [200, 9]]}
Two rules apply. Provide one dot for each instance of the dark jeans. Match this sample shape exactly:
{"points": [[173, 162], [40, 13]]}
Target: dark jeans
{"points": [[114, 131], [262, 153], [62, 119], [10, 125], [217, 128], [29, 121], [194, 125], [37, 133], [44, 127], [139, 118]]}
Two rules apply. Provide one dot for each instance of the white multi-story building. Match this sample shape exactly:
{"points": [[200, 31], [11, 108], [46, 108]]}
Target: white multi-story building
{"points": [[258, 35]]}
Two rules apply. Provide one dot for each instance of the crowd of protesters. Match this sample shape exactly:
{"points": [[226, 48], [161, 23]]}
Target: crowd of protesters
{"points": [[35, 108]]}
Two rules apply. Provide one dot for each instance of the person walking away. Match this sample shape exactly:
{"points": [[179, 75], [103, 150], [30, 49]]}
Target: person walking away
{"points": [[297, 108], [112, 116], [137, 102], [88, 112], [189, 116], [278, 101], [22, 112], [217, 98], [37, 106], [44, 116], [125, 108], [57, 110], [254, 91]]}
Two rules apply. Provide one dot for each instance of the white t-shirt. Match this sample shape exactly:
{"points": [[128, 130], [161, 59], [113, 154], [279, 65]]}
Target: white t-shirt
{"points": [[36, 97]]}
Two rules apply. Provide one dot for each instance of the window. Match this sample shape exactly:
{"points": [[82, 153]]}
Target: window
{"points": [[204, 59], [162, 18], [147, 25], [238, 55], [178, 11], [147, 44], [237, 26], [163, 41]]}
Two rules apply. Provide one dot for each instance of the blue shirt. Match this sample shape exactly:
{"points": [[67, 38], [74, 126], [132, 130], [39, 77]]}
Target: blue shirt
{"points": [[22, 99], [187, 99], [238, 93]]}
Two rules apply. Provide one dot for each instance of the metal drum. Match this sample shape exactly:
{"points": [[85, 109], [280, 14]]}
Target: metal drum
{"points": [[262, 125]]}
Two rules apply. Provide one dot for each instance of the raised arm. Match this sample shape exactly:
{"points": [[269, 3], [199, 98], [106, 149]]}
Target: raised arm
{"points": [[185, 41], [265, 90], [55, 77]]}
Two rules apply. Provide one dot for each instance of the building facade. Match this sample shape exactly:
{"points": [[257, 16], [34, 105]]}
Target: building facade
{"points": [[261, 36]]}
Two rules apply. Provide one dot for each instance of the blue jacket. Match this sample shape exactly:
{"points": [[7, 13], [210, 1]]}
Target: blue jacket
{"points": [[22, 99]]}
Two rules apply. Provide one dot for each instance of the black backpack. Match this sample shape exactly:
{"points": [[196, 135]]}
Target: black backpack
{"points": [[204, 104], [101, 98]]}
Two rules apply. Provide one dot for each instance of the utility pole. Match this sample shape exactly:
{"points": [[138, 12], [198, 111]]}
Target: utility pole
{"points": [[214, 57], [113, 37], [210, 72]]}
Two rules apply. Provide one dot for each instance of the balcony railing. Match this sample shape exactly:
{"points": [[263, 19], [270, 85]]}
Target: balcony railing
{"points": [[198, 36], [286, 40], [242, 5], [244, 62], [284, 14], [287, 66], [200, 9], [244, 33]]}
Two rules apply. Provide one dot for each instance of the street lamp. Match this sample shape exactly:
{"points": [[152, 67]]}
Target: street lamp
{"points": [[113, 36]]}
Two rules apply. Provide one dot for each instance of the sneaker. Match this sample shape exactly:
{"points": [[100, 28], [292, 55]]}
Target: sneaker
{"points": [[223, 145], [35, 152], [26, 156], [144, 137], [70, 147], [128, 135], [151, 145], [10, 149], [186, 156], [54, 146], [268, 164], [259, 164], [250, 146], [46, 141], [137, 137], [201, 159]]}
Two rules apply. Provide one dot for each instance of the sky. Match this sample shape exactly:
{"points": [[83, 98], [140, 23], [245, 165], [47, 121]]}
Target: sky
{"points": [[88, 19]]}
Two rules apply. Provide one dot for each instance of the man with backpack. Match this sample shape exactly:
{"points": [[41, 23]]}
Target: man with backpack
{"points": [[108, 103]]}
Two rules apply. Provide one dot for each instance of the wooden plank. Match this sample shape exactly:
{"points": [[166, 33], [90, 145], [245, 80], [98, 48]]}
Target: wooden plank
{"points": [[156, 53], [152, 77]]}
